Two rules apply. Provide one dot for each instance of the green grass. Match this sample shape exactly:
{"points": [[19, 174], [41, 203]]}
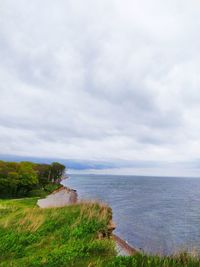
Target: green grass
{"points": [[44, 191], [142, 260], [30, 236]]}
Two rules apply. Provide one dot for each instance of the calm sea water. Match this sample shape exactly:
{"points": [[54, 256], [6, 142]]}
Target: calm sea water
{"points": [[156, 214]]}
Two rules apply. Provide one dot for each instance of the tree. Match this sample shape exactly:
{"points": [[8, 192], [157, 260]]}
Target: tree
{"points": [[43, 172], [18, 179], [57, 171], [27, 174]]}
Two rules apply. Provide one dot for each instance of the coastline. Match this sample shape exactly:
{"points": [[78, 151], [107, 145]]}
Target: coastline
{"points": [[123, 248], [65, 196]]}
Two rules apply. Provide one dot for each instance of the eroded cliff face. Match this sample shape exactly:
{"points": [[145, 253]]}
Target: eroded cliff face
{"points": [[62, 197], [111, 227]]}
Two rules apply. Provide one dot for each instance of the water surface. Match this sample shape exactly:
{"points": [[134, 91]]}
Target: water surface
{"points": [[156, 214]]}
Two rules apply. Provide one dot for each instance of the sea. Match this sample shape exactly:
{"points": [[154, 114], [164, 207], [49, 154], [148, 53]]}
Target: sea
{"points": [[158, 215]]}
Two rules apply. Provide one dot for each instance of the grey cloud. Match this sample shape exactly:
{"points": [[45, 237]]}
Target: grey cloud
{"points": [[100, 80]]}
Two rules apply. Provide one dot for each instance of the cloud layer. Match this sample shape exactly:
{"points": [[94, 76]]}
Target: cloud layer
{"points": [[103, 80]]}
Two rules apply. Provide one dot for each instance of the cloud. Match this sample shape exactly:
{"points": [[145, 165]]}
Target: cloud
{"points": [[103, 80]]}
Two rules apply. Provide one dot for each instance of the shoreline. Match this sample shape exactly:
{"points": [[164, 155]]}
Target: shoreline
{"points": [[123, 247], [65, 196]]}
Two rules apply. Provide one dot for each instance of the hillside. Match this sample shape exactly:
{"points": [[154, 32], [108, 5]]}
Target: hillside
{"points": [[30, 236], [68, 236]]}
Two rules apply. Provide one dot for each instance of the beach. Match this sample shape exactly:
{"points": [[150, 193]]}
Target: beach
{"points": [[62, 197]]}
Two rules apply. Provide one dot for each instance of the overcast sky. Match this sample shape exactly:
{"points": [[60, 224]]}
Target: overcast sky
{"points": [[101, 80]]}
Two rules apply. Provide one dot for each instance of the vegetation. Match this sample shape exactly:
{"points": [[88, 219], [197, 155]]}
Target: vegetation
{"points": [[28, 179], [69, 236], [142, 260], [30, 236]]}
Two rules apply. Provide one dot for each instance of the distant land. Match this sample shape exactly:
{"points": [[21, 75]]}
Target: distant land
{"points": [[118, 166], [70, 163]]}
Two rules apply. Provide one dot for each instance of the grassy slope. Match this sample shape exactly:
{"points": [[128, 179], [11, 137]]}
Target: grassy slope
{"points": [[67, 236]]}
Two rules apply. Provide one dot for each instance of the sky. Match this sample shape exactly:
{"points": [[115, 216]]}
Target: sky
{"points": [[108, 81]]}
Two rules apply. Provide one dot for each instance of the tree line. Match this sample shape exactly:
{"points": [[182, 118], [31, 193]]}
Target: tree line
{"points": [[22, 178]]}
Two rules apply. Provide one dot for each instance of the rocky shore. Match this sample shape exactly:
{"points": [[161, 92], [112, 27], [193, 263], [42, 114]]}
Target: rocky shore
{"points": [[122, 247]]}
